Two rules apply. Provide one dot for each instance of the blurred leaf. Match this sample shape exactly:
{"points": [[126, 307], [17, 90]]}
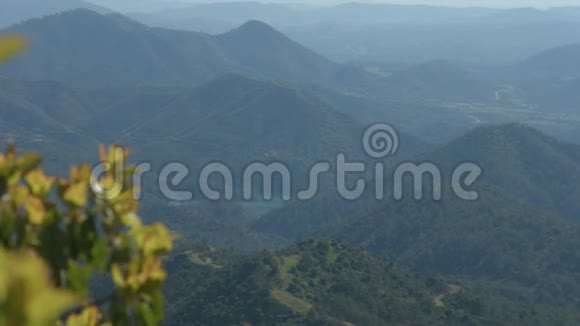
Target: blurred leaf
{"points": [[38, 182], [70, 244], [88, 317], [35, 209], [27, 296], [11, 45], [76, 194]]}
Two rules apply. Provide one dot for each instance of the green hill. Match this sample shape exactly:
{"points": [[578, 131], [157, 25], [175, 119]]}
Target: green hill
{"points": [[492, 244], [233, 119], [44, 117], [320, 283], [505, 241], [522, 163]]}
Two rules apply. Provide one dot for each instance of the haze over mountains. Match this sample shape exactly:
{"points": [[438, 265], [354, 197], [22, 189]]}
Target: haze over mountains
{"points": [[17, 11], [357, 31], [133, 53], [251, 93], [159, 72], [392, 33], [138, 54], [141, 55]]}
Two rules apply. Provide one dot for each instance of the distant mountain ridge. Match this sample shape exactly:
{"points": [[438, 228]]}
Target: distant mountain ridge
{"points": [[139, 5], [387, 33], [123, 52], [280, 14], [562, 61], [17, 11], [119, 52], [256, 44]]}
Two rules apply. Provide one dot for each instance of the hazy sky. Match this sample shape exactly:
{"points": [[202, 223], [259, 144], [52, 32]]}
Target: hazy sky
{"points": [[462, 3], [491, 3]]}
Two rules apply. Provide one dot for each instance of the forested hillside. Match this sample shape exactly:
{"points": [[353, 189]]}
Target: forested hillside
{"points": [[323, 283]]}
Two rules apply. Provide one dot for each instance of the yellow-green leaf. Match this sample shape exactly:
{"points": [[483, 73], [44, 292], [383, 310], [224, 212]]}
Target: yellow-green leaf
{"points": [[76, 194], [39, 183], [11, 45], [27, 295], [90, 316], [35, 209]]}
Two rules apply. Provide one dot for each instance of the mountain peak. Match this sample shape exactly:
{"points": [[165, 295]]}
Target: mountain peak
{"points": [[256, 43], [523, 163], [256, 27]]}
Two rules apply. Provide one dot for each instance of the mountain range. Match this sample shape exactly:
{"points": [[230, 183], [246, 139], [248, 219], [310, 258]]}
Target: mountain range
{"points": [[382, 33], [123, 52], [17, 11], [253, 94]]}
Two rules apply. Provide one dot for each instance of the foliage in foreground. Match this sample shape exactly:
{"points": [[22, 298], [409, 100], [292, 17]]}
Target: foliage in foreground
{"points": [[57, 236], [11, 45]]}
